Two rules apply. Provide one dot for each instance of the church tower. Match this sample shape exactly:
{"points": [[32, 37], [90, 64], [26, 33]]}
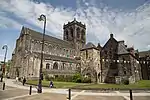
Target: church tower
{"points": [[74, 32]]}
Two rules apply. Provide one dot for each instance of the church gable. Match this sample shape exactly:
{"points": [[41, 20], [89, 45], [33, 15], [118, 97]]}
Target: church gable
{"points": [[111, 41], [110, 48]]}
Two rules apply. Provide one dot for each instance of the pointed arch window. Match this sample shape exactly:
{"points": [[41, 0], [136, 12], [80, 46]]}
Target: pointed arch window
{"points": [[83, 35], [63, 66], [67, 34], [71, 32], [70, 68], [78, 33], [55, 66], [47, 66], [86, 54]]}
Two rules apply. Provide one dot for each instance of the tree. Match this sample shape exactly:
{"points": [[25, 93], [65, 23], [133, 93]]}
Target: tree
{"points": [[77, 78], [8, 65]]}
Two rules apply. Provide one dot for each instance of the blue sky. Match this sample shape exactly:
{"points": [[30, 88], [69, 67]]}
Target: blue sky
{"points": [[128, 20]]}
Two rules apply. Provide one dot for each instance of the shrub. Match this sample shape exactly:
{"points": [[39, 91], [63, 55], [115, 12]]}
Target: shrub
{"points": [[125, 82], [86, 80], [77, 78], [48, 78], [60, 78], [68, 78]]}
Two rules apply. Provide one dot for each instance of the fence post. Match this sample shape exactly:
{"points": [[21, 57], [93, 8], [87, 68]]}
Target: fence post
{"points": [[69, 95], [4, 86], [30, 90], [131, 98]]}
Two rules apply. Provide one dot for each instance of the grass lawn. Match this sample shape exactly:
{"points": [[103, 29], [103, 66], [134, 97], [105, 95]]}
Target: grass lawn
{"points": [[143, 84], [56, 84]]}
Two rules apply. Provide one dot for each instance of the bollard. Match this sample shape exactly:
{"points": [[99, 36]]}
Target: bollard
{"points": [[30, 90], [131, 98], [69, 95], [3, 86]]}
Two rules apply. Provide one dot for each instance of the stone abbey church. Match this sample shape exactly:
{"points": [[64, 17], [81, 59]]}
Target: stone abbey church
{"points": [[110, 63]]}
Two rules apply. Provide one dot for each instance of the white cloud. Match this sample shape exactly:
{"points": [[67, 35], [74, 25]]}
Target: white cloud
{"points": [[7, 22], [1, 57], [133, 26]]}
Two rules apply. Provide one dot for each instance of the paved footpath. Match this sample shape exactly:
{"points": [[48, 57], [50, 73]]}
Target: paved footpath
{"points": [[16, 91]]}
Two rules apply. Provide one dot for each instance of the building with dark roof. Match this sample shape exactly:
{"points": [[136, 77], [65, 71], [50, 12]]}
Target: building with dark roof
{"points": [[59, 55], [111, 63], [119, 62], [144, 58]]}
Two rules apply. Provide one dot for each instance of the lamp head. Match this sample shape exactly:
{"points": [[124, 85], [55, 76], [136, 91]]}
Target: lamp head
{"points": [[42, 17], [5, 46]]}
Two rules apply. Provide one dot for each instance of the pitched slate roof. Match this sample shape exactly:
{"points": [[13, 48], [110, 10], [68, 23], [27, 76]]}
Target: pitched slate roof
{"points": [[38, 36], [111, 39], [99, 46], [57, 58], [122, 49], [89, 45]]}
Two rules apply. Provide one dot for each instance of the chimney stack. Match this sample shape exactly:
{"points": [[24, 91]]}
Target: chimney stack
{"points": [[111, 35]]}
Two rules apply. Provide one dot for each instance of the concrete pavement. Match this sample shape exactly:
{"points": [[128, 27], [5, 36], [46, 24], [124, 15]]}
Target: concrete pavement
{"points": [[10, 82], [62, 93]]}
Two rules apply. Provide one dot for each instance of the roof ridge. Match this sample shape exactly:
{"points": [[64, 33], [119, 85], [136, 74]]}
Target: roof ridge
{"points": [[49, 38]]}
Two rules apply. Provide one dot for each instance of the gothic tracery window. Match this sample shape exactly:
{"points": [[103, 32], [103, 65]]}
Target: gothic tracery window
{"points": [[55, 66], [83, 35], [86, 54], [67, 34]]}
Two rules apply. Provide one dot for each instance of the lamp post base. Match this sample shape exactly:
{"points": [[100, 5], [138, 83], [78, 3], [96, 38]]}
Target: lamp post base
{"points": [[2, 79]]}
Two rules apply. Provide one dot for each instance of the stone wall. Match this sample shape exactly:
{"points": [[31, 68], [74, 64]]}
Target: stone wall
{"points": [[26, 60], [90, 64]]}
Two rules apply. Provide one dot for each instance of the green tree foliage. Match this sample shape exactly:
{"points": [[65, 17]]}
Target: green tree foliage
{"points": [[77, 78], [8, 65]]}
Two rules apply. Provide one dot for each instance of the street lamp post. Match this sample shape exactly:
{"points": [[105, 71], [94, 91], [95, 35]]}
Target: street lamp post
{"points": [[4, 47], [101, 66], [41, 18]]}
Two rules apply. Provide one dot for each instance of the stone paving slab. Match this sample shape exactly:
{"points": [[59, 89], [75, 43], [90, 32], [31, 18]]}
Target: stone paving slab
{"points": [[45, 96], [142, 98], [100, 91], [7, 88], [98, 98], [12, 93], [52, 96]]}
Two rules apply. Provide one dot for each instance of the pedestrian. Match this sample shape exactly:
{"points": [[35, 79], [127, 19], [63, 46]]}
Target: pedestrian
{"points": [[17, 79], [24, 80], [51, 84]]}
